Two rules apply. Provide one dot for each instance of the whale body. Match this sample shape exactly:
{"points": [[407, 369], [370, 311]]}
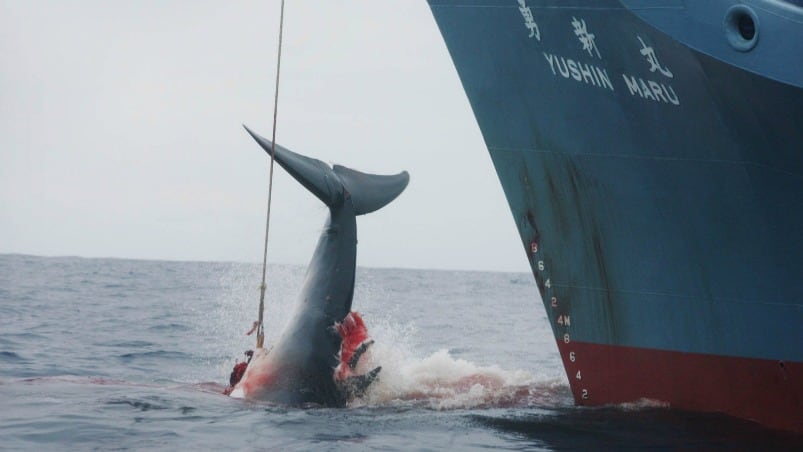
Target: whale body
{"points": [[308, 364]]}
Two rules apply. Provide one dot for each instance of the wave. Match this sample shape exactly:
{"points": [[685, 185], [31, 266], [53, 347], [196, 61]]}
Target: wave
{"points": [[141, 405], [11, 357], [169, 327], [442, 382], [128, 344], [157, 354]]}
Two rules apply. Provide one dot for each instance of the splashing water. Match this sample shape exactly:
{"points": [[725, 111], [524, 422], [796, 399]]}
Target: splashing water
{"points": [[437, 381], [235, 312], [440, 381]]}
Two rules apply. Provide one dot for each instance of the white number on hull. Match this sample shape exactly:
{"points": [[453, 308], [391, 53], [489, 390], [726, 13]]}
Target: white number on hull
{"points": [[548, 283], [564, 320], [585, 394], [572, 357], [554, 302], [540, 266], [578, 376], [567, 338]]}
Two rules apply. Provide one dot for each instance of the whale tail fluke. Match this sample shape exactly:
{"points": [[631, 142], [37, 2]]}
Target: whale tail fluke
{"points": [[369, 192]]}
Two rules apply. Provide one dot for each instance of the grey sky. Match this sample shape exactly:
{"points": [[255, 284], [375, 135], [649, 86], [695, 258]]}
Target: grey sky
{"points": [[120, 133]]}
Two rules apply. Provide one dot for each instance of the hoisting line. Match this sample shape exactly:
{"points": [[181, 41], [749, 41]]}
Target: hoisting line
{"points": [[263, 286]]}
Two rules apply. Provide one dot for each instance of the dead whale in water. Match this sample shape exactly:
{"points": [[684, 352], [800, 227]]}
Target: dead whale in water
{"points": [[313, 361]]}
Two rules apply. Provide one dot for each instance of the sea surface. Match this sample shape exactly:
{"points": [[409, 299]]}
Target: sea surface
{"points": [[113, 354]]}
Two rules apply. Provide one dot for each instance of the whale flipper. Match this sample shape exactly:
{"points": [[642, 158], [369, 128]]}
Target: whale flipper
{"points": [[355, 358]]}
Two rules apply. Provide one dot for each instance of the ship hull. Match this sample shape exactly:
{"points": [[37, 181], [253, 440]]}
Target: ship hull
{"points": [[768, 391], [657, 187]]}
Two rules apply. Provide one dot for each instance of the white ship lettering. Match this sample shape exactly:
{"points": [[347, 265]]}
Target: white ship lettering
{"points": [[649, 89], [580, 72], [529, 20], [587, 39], [652, 58]]}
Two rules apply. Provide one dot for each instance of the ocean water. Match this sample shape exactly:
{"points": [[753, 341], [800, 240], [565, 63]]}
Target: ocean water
{"points": [[115, 354]]}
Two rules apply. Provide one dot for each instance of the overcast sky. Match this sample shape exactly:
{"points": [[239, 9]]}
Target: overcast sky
{"points": [[121, 132]]}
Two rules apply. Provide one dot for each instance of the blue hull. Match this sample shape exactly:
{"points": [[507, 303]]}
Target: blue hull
{"points": [[655, 176]]}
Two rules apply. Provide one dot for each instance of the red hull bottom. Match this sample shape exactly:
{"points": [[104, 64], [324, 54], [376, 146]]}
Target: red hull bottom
{"points": [[766, 391]]}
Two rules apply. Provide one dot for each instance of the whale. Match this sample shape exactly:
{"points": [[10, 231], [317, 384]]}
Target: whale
{"points": [[316, 357]]}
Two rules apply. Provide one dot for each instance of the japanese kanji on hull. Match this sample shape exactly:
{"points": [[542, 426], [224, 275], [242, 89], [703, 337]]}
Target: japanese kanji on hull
{"points": [[652, 158]]}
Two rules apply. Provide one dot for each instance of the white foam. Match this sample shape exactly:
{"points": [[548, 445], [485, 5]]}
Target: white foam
{"points": [[441, 381], [642, 404]]}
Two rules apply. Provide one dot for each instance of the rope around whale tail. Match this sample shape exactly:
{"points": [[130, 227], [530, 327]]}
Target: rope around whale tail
{"points": [[263, 286]]}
